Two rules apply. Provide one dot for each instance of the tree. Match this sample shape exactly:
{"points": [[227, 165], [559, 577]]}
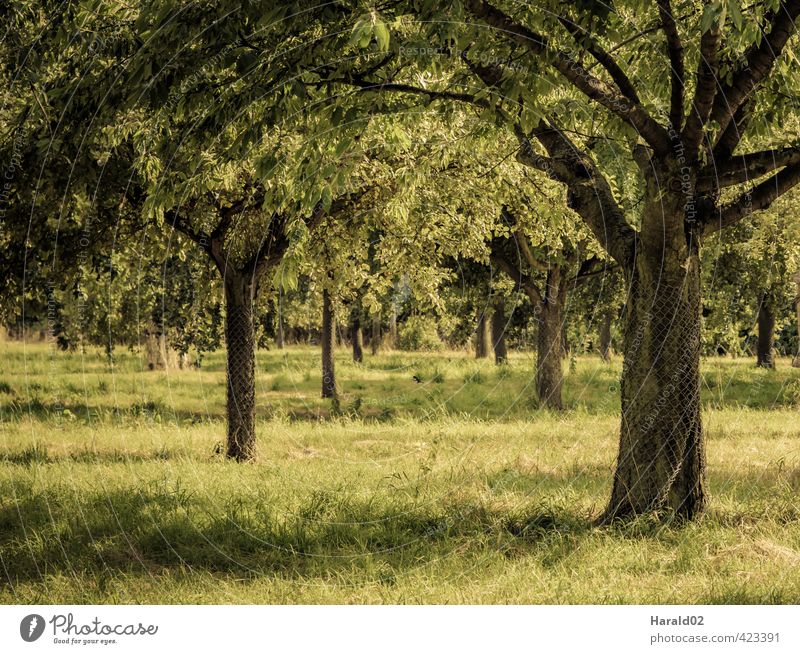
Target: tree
{"points": [[748, 278], [244, 194], [545, 270], [684, 144], [499, 331]]}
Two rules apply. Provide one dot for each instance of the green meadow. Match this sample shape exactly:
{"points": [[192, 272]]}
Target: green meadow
{"points": [[434, 479]]}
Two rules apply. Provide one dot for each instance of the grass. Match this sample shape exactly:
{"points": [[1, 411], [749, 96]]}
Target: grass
{"points": [[454, 489]]}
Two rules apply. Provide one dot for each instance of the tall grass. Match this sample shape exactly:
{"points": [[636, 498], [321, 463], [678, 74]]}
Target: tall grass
{"points": [[454, 488]]}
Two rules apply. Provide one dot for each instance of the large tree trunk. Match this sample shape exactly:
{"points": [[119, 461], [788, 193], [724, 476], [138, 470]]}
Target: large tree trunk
{"points": [[328, 346], [499, 333], [375, 337], [765, 353], [357, 337], [661, 460], [549, 341], [240, 343], [482, 336], [796, 360]]}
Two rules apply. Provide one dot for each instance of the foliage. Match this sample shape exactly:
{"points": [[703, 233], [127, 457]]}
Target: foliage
{"points": [[419, 333]]}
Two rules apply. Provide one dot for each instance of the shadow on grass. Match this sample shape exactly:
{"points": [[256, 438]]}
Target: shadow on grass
{"points": [[87, 413], [149, 530], [37, 454]]}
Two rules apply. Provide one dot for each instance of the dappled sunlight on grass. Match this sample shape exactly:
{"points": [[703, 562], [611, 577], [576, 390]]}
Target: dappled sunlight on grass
{"points": [[453, 488]]}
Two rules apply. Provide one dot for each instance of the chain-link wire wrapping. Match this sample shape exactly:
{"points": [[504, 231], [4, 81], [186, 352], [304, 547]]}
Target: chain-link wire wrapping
{"points": [[241, 378], [661, 459], [329, 389]]}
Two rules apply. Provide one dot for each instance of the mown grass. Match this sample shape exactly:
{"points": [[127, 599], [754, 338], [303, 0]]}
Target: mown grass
{"points": [[456, 489]]}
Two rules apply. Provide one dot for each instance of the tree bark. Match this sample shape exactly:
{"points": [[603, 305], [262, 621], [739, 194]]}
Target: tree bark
{"points": [[280, 336], [482, 337], [156, 348], [499, 333], [160, 355], [328, 346], [765, 353], [605, 334], [661, 460], [375, 337], [241, 345], [393, 328], [549, 341], [565, 346], [357, 336], [796, 360]]}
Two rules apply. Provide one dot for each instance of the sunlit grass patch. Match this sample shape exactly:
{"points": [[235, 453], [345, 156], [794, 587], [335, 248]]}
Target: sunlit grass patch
{"points": [[454, 488]]}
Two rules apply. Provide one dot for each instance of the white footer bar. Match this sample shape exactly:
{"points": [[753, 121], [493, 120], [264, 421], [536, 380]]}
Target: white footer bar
{"points": [[401, 629]]}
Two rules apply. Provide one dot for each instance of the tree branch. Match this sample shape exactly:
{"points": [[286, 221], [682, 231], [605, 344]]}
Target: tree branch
{"points": [[589, 193], [759, 60], [704, 89], [228, 213], [588, 269], [749, 167], [575, 73], [677, 68], [756, 199], [730, 137], [522, 281], [522, 241], [584, 39]]}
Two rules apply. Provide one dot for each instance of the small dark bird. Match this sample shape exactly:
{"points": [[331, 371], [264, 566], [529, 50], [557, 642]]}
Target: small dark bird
{"points": [[417, 379]]}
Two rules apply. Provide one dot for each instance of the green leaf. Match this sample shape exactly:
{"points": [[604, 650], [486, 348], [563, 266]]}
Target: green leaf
{"points": [[343, 145], [382, 36], [327, 198], [735, 9]]}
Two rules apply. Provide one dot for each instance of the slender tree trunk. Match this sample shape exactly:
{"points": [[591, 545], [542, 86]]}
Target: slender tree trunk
{"points": [[280, 340], [605, 334], [499, 333], [765, 353], [393, 328], [375, 337], [154, 348], [160, 356], [241, 347], [151, 350], [357, 337], [482, 336], [328, 346], [280, 337], [549, 376], [661, 460], [796, 360]]}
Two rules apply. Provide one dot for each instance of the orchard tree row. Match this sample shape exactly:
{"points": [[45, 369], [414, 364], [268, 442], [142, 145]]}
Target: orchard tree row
{"points": [[205, 166]]}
